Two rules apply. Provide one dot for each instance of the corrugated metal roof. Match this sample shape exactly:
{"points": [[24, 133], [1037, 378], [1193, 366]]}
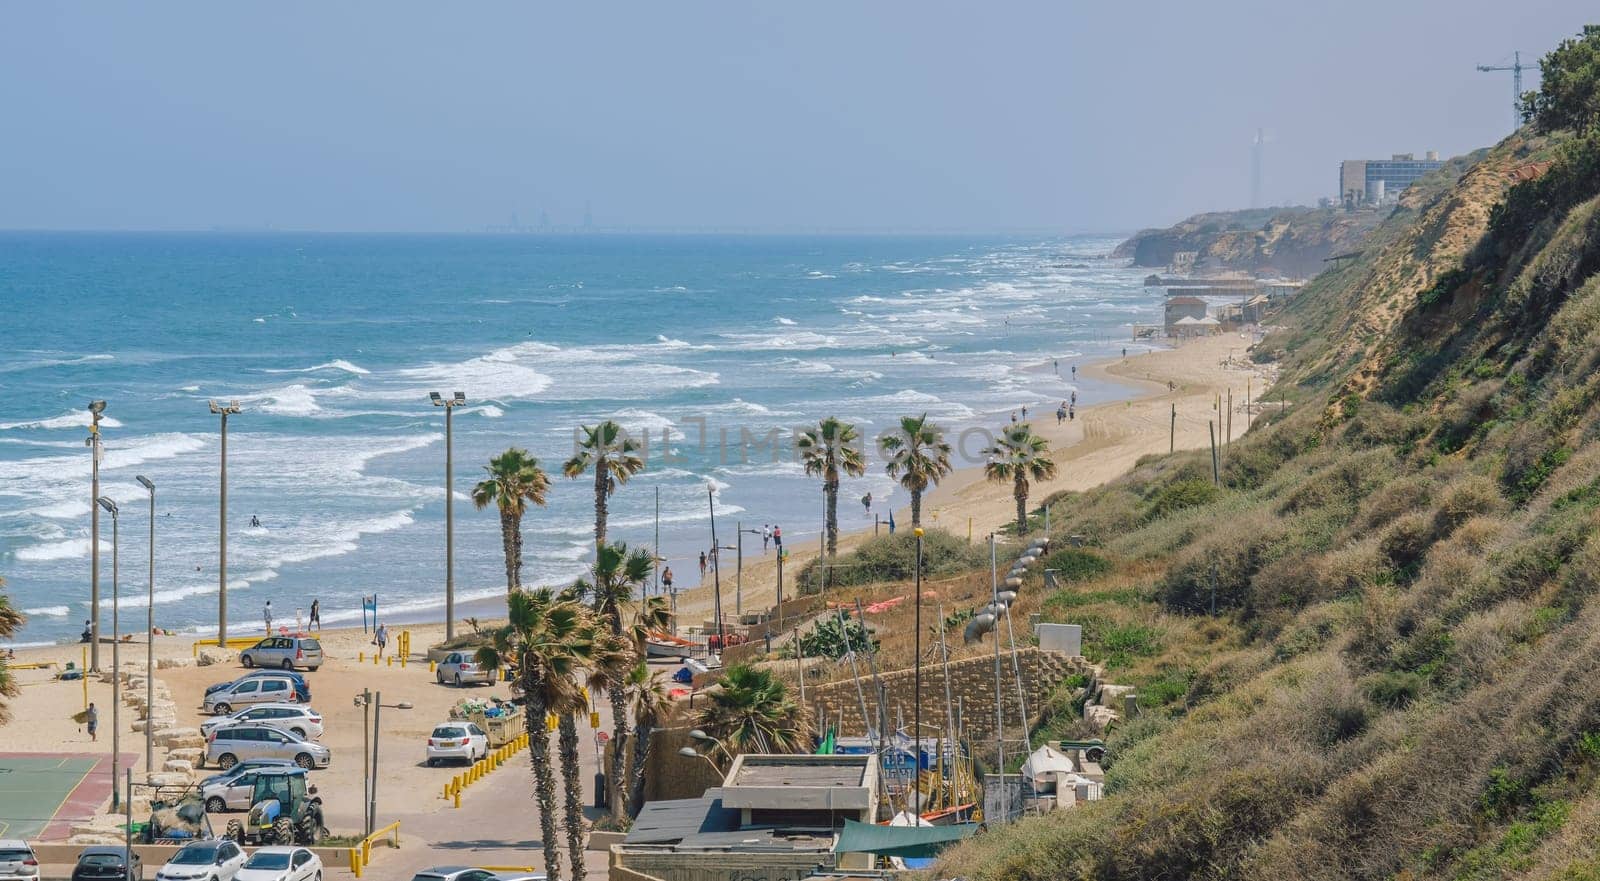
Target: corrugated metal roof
{"points": [[666, 822]]}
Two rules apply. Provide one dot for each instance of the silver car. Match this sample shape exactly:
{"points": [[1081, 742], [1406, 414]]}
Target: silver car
{"points": [[249, 691], [287, 652], [297, 719], [459, 668], [228, 746], [17, 860]]}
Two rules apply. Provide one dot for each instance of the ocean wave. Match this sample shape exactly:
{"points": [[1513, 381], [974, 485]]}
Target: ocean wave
{"points": [[336, 364], [804, 339], [70, 549], [71, 419], [289, 400], [785, 321], [48, 611], [54, 362]]}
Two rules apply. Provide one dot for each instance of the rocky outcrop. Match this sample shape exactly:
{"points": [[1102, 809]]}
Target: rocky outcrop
{"points": [[1289, 242]]}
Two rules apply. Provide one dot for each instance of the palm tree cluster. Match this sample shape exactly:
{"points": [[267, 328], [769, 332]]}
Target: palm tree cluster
{"points": [[10, 622], [559, 647]]}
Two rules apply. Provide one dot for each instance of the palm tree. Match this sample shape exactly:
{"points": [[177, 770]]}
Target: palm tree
{"points": [[618, 573], [1019, 455], [609, 673], [614, 457], [829, 450], [514, 480], [10, 622], [546, 640], [750, 711], [650, 701], [918, 457]]}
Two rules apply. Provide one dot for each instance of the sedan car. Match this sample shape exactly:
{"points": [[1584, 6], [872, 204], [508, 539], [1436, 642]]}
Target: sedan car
{"points": [[287, 652], [297, 719], [216, 859], [229, 746], [104, 861], [281, 864], [457, 740], [243, 766], [454, 873], [17, 860], [459, 669]]}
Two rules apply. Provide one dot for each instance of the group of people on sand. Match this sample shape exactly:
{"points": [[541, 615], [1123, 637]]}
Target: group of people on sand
{"points": [[1068, 410]]}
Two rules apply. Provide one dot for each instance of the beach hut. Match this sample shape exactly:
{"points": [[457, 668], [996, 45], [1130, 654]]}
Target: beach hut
{"points": [[1044, 765]]}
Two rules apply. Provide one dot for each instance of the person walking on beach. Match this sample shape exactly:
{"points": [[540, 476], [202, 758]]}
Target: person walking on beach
{"points": [[1074, 399], [91, 716], [266, 614], [866, 502], [1024, 414], [666, 579], [1013, 417], [766, 538], [702, 564], [1071, 413], [316, 613], [382, 638], [777, 537], [1061, 413], [1074, 373], [891, 523]]}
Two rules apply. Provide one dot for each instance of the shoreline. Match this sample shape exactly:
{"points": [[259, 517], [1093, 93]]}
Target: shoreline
{"points": [[1103, 441]]}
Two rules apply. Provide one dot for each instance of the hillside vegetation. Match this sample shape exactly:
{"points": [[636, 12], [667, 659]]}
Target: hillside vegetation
{"points": [[1401, 678], [1290, 241]]}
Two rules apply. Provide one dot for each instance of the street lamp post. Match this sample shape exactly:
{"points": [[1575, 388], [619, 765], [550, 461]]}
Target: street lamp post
{"points": [[738, 584], [449, 405], [373, 700], [116, 655], [96, 408], [916, 688], [224, 411], [150, 637]]}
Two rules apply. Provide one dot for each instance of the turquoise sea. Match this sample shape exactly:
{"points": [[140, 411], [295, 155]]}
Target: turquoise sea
{"points": [[331, 343]]}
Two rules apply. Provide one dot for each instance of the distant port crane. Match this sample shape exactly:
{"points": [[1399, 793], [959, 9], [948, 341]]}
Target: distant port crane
{"points": [[1516, 84]]}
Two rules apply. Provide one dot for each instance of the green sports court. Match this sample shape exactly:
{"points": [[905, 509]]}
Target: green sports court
{"points": [[43, 794]]}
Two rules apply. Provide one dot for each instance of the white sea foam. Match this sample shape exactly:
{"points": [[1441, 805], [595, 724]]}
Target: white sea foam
{"points": [[781, 320], [336, 364], [487, 411], [289, 400], [48, 611], [189, 388], [73, 419], [70, 549]]}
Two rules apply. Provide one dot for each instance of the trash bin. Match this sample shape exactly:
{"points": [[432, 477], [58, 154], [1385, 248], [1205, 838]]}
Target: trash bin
{"points": [[600, 791]]}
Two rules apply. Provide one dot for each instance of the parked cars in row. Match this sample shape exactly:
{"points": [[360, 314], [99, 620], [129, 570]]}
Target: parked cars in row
{"points": [[214, 859], [463, 741], [285, 652], [471, 873], [226, 747], [244, 765], [297, 719]]}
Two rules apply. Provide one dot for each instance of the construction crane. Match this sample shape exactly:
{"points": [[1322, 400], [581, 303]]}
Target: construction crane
{"points": [[1516, 84]]}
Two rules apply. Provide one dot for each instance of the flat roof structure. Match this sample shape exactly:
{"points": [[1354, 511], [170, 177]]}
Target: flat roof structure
{"points": [[801, 782]]}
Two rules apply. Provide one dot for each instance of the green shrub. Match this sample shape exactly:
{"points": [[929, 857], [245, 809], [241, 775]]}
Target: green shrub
{"points": [[891, 558], [1076, 564], [1395, 689], [1178, 495]]}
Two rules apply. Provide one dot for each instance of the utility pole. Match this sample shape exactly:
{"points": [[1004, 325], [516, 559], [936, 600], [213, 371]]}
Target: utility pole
{"points": [[1172, 438], [116, 656], [716, 571], [999, 696], [916, 688], [224, 411], [93, 441], [449, 405]]}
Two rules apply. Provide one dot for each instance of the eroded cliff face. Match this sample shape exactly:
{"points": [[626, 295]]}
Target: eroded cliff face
{"points": [[1291, 242]]}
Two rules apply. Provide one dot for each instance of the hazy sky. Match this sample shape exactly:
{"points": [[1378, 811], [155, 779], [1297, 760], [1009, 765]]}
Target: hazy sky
{"points": [[864, 114]]}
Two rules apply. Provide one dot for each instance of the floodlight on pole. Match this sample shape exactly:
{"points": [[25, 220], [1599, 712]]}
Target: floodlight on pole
{"points": [[150, 631], [449, 404], [96, 408], [224, 411]]}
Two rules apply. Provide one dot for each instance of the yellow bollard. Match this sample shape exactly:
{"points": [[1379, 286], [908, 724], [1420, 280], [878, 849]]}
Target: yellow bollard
{"points": [[389, 661], [447, 792], [458, 798], [432, 666], [361, 657], [366, 851], [355, 862]]}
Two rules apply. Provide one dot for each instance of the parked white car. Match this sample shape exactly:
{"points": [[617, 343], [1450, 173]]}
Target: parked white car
{"points": [[216, 859], [17, 860], [297, 719], [463, 741], [281, 863]]}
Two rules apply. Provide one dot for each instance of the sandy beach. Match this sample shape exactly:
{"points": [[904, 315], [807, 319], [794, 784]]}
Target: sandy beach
{"points": [[1102, 442]]}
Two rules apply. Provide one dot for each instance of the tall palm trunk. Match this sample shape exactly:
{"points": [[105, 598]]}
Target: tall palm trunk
{"points": [[572, 780], [642, 730], [1021, 493], [511, 538], [618, 790], [544, 781], [830, 488], [916, 508], [602, 475]]}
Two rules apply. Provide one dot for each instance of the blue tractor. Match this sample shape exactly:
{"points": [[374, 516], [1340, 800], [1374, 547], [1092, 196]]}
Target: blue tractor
{"points": [[284, 809]]}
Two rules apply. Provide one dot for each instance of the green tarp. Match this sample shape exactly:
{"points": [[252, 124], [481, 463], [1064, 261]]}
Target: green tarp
{"points": [[826, 747], [900, 841]]}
